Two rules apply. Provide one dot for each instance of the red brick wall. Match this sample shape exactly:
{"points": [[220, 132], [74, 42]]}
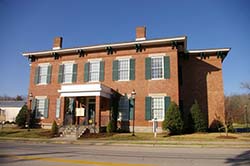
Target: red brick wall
{"points": [[142, 86], [202, 80]]}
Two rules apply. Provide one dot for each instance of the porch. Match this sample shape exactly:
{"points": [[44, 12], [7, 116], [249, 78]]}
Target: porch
{"points": [[86, 105]]}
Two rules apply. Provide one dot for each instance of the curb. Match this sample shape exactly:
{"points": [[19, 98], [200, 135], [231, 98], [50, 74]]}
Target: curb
{"points": [[178, 144]]}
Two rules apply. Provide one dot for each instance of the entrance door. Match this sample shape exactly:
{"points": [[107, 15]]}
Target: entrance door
{"points": [[91, 113]]}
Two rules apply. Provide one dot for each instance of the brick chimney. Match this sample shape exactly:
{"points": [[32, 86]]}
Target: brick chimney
{"points": [[57, 43], [140, 33]]}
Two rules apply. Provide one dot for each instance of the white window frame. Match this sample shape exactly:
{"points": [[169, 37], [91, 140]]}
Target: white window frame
{"points": [[91, 72], [71, 74], [157, 57], [37, 107], [162, 108], [45, 75], [128, 69]]}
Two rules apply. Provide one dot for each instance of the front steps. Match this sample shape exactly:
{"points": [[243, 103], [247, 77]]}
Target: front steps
{"points": [[75, 132]]}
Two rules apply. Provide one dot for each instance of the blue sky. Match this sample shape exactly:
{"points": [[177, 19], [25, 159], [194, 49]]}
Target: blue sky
{"points": [[29, 25]]}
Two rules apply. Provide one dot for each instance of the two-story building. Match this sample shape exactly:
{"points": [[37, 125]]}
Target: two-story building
{"points": [[79, 85]]}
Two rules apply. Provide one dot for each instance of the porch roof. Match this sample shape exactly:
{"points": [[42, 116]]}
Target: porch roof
{"points": [[85, 90]]}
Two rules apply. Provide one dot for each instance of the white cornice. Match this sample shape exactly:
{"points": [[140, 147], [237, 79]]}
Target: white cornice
{"points": [[104, 46]]}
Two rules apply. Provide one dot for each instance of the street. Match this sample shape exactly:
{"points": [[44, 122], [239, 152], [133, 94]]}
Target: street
{"points": [[40, 154]]}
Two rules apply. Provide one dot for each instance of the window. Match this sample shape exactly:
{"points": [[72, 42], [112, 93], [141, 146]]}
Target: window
{"points": [[123, 69], [157, 108], [41, 107], [58, 108], [94, 71], [43, 74], [67, 73], [157, 67], [123, 108]]}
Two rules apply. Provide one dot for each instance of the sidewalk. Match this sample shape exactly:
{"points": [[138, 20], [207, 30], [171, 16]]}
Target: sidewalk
{"points": [[155, 143]]}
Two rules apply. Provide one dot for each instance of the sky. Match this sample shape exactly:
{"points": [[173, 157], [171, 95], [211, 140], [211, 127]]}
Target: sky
{"points": [[31, 25]]}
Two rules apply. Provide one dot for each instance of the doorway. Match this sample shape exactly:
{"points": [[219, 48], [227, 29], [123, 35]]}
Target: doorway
{"points": [[91, 111]]}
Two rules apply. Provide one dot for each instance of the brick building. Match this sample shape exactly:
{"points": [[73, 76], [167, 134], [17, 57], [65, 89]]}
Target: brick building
{"points": [[81, 85]]}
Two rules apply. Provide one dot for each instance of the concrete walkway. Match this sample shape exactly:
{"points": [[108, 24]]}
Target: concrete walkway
{"points": [[160, 143]]}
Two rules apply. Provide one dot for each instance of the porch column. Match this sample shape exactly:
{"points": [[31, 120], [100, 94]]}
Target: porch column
{"points": [[98, 112]]}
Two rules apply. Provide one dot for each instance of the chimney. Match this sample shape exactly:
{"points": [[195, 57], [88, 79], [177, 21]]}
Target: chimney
{"points": [[57, 43], [140, 33]]}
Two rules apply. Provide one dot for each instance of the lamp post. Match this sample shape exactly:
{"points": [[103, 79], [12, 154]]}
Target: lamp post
{"points": [[29, 111], [133, 94]]}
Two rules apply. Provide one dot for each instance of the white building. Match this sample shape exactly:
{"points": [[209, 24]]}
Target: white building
{"points": [[9, 110]]}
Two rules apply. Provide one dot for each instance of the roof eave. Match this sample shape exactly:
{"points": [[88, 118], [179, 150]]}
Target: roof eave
{"points": [[104, 46]]}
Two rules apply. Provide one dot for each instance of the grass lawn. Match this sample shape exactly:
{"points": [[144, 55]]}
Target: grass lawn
{"points": [[24, 133], [163, 137]]}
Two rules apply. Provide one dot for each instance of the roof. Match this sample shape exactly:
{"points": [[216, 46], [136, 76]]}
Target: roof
{"points": [[12, 103], [104, 46]]}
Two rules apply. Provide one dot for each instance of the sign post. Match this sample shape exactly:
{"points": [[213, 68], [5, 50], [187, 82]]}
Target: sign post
{"points": [[155, 126]]}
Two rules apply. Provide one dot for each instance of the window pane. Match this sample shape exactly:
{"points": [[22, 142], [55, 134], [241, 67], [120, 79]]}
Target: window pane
{"points": [[157, 67], [123, 108], [123, 69], [40, 108], [43, 74], [158, 108], [94, 71], [67, 73]]}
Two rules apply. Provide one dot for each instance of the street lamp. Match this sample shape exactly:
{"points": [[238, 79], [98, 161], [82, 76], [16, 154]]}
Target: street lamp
{"points": [[133, 94], [29, 111]]}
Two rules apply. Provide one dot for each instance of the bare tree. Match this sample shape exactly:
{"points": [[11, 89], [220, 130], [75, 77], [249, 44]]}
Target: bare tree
{"points": [[245, 85]]}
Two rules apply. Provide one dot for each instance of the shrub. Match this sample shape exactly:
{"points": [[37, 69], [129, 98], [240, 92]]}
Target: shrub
{"points": [[111, 127], [173, 121], [21, 118], [54, 129], [198, 119]]}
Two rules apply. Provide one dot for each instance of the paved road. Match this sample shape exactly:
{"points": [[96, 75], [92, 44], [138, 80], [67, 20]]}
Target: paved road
{"points": [[41, 154]]}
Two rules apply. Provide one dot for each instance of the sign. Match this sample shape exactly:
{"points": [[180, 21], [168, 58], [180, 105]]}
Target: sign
{"points": [[80, 111]]}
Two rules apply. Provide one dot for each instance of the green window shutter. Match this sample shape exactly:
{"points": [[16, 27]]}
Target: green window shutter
{"points": [[46, 108], [49, 72], [132, 69], [36, 80], [86, 72], [101, 78], [60, 74], [166, 67], [148, 108], [115, 70], [148, 68], [167, 101], [58, 108], [74, 74], [131, 109]]}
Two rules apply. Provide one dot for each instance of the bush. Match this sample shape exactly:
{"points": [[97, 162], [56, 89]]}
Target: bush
{"points": [[54, 129], [198, 119], [111, 127], [21, 118], [173, 121]]}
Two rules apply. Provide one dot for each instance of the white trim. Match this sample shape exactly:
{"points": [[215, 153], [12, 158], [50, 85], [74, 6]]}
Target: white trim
{"points": [[208, 50], [157, 55], [140, 39], [85, 90], [44, 64], [68, 62], [157, 94], [56, 48], [163, 72], [123, 57], [102, 47], [40, 97]]}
